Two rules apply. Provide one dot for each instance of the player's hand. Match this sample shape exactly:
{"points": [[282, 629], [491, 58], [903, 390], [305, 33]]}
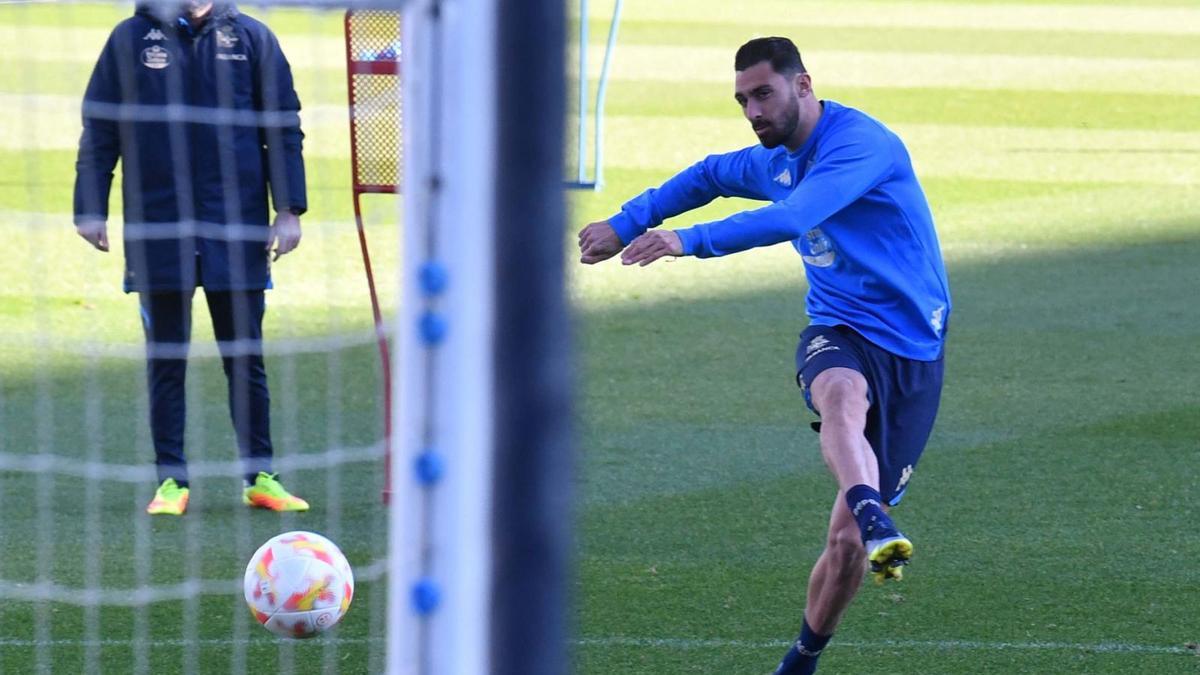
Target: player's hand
{"points": [[95, 232], [651, 246], [286, 231], [598, 241]]}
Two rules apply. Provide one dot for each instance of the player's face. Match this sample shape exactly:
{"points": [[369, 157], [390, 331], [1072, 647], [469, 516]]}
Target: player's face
{"points": [[769, 101]]}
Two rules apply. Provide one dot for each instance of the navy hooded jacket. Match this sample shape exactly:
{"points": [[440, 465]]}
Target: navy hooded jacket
{"points": [[203, 122]]}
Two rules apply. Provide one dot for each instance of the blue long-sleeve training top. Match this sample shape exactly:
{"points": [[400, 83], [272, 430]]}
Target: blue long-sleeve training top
{"points": [[849, 202]]}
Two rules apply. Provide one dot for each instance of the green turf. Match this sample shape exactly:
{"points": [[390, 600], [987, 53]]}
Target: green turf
{"points": [[1052, 508], [58, 299], [1082, 110], [1052, 514], [934, 40]]}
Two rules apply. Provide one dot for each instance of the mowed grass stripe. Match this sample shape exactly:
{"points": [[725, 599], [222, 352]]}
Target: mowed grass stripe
{"points": [[323, 85], [1006, 153], [943, 105], [105, 15], [652, 642], [713, 64], [43, 182], [884, 643], [811, 36], [41, 121], [1020, 226], [304, 50], [908, 69], [1160, 17], [1183, 20]]}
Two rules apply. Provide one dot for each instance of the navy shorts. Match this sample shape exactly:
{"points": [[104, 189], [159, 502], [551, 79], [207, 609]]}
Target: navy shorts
{"points": [[903, 394]]}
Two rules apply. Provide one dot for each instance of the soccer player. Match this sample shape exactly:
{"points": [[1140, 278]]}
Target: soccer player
{"points": [[843, 192], [197, 102]]}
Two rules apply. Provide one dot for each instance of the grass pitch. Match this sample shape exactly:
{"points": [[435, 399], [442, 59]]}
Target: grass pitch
{"points": [[1052, 513]]}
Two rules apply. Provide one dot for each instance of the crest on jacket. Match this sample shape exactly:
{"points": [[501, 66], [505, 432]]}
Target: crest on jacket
{"points": [[226, 38], [155, 57]]}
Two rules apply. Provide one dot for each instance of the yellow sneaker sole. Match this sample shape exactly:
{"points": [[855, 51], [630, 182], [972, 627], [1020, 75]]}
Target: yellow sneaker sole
{"points": [[889, 558]]}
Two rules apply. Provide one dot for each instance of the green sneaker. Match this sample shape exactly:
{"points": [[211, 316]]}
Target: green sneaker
{"points": [[169, 499], [268, 493]]}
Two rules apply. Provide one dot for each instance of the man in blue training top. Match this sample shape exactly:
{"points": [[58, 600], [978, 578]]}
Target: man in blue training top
{"points": [[844, 193], [196, 101]]}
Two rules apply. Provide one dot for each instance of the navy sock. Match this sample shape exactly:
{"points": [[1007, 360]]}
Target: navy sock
{"points": [[867, 507], [801, 659]]}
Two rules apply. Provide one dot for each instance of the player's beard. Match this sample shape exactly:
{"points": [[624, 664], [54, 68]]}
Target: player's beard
{"points": [[779, 132]]}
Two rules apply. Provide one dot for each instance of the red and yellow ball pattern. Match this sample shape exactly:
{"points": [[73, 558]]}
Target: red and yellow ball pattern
{"points": [[298, 584]]}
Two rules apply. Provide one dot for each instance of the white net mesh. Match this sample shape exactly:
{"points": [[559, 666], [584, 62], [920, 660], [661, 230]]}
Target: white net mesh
{"points": [[91, 583]]}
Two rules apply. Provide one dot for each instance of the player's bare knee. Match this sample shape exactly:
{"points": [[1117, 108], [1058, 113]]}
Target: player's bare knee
{"points": [[840, 393]]}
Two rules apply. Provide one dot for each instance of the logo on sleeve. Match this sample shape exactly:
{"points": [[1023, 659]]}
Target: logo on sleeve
{"points": [[155, 34], [937, 318], [156, 58]]}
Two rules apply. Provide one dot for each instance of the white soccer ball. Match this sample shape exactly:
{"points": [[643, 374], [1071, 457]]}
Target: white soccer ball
{"points": [[298, 584]]}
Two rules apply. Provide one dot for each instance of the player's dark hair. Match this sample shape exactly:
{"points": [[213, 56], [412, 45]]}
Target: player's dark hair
{"points": [[780, 51]]}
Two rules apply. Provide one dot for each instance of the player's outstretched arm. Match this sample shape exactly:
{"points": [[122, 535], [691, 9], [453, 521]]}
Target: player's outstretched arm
{"points": [[598, 241], [651, 246]]}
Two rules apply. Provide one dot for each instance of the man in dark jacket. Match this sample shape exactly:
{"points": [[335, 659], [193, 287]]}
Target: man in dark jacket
{"points": [[198, 105]]}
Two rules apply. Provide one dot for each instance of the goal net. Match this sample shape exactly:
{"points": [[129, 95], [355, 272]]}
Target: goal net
{"points": [[94, 584], [104, 393]]}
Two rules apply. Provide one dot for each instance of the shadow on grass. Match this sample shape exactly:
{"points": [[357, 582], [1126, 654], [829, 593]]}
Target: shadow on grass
{"points": [[1071, 400], [683, 395], [683, 405]]}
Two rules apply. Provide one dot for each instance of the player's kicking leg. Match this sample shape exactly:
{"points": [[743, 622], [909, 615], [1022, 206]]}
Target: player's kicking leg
{"points": [[859, 527], [840, 394], [877, 411]]}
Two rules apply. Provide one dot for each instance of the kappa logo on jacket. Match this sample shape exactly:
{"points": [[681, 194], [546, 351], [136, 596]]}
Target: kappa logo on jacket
{"points": [[155, 34], [785, 178]]}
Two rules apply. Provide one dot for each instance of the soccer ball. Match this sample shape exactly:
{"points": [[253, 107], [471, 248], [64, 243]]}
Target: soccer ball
{"points": [[298, 584]]}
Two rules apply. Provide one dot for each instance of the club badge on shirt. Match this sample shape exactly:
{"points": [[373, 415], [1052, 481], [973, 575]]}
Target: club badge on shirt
{"points": [[227, 39], [156, 58], [816, 249]]}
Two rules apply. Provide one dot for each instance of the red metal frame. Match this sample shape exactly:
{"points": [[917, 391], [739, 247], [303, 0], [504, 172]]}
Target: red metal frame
{"points": [[383, 67]]}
